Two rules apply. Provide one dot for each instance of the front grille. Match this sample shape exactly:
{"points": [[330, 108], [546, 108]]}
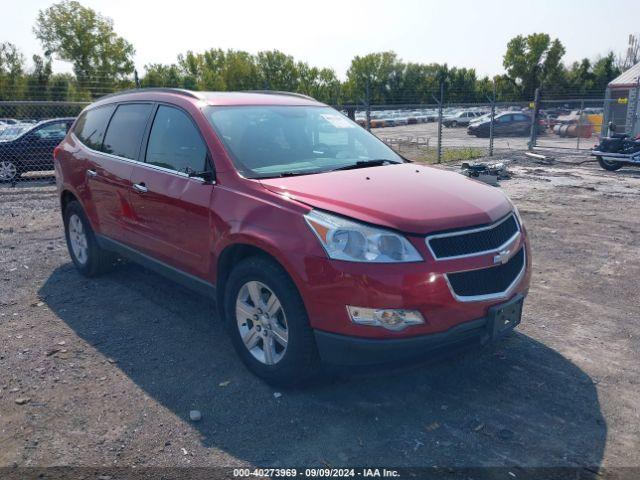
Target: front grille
{"points": [[487, 281], [474, 241]]}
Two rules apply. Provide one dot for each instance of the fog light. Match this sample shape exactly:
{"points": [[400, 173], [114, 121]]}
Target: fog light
{"points": [[395, 320]]}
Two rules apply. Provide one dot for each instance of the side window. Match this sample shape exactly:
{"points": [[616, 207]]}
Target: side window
{"points": [[91, 126], [53, 131], [174, 142], [125, 130], [504, 119], [521, 118]]}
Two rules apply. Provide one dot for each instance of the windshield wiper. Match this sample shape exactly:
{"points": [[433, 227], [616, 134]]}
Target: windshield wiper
{"points": [[364, 164], [291, 173]]}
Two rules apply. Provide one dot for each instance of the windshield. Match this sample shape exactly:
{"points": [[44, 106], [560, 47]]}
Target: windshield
{"points": [[13, 132], [270, 141]]}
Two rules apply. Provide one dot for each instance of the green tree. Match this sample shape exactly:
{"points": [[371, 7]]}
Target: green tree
{"points": [[277, 71], [604, 70], [38, 79], [372, 73], [240, 71], [158, 75], [533, 61], [101, 59], [11, 72]]}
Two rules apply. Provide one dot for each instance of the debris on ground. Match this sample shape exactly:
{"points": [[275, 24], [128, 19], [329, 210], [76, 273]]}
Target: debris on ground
{"points": [[431, 427], [488, 173], [195, 415], [540, 158]]}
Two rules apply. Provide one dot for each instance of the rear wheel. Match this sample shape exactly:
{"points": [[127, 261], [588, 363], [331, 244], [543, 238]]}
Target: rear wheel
{"points": [[454, 124], [268, 323], [608, 165], [88, 257]]}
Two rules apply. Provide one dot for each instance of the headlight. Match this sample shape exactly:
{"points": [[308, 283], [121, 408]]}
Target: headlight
{"points": [[347, 240]]}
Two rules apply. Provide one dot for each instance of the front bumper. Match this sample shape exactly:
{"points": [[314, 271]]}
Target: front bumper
{"points": [[346, 350]]}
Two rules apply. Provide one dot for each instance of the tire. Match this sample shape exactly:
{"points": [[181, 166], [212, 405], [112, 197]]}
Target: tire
{"points": [[295, 364], [8, 171], [454, 124], [92, 260], [609, 166]]}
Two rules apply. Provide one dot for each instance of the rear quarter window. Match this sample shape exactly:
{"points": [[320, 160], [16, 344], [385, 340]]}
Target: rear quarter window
{"points": [[125, 130], [91, 126]]}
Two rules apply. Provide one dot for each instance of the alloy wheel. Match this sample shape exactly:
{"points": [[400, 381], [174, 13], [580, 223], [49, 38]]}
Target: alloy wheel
{"points": [[8, 171], [262, 322], [78, 239]]}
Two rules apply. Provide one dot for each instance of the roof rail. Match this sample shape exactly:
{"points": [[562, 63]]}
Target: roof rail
{"points": [[278, 92], [179, 91]]}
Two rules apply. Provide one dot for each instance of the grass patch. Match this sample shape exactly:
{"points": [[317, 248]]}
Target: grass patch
{"points": [[430, 155]]}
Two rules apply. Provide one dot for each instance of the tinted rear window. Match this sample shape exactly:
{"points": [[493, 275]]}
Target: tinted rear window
{"points": [[91, 126], [125, 130]]}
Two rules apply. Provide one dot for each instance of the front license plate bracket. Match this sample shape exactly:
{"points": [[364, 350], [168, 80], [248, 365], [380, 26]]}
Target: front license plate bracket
{"points": [[505, 317]]}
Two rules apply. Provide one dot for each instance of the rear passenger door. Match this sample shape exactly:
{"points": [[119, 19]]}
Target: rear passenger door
{"points": [[110, 162], [171, 208]]}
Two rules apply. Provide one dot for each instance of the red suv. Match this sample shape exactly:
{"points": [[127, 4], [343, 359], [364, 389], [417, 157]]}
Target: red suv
{"points": [[318, 242]]}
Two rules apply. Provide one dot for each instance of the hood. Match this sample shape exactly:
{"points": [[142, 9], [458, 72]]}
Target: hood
{"points": [[407, 197]]}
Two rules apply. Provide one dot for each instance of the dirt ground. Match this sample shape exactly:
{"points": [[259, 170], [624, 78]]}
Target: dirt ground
{"points": [[104, 372]]}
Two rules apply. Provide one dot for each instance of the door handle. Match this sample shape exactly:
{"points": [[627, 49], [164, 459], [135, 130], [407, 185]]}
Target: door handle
{"points": [[92, 173], [140, 187]]}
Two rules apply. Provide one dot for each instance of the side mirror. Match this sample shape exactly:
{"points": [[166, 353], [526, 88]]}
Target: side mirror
{"points": [[209, 176]]}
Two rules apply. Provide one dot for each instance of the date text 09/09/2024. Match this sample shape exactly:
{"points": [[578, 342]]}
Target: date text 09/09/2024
{"points": [[316, 472]]}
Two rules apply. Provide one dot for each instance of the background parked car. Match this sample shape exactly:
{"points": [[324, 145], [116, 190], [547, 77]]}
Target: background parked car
{"points": [[32, 148], [506, 123], [459, 119]]}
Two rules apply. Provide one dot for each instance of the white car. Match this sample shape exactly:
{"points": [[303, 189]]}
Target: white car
{"points": [[461, 118]]}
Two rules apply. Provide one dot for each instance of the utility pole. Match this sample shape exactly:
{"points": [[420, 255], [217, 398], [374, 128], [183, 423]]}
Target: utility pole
{"points": [[534, 120], [493, 117], [440, 102], [368, 102]]}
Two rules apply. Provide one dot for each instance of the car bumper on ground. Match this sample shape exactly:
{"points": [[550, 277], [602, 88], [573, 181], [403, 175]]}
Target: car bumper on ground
{"points": [[347, 350]]}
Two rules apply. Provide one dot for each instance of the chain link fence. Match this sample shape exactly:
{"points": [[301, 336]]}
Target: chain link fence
{"points": [[452, 131], [432, 133]]}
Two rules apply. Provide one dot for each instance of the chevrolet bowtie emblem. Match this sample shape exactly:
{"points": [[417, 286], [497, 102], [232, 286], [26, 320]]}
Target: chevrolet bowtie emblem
{"points": [[501, 257]]}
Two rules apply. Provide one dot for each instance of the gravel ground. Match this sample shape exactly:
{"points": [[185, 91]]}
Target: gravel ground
{"points": [[105, 372]]}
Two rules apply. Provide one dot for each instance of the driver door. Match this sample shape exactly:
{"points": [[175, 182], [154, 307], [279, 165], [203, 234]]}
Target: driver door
{"points": [[170, 209]]}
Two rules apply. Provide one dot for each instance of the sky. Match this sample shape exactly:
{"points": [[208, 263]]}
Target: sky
{"points": [[328, 33]]}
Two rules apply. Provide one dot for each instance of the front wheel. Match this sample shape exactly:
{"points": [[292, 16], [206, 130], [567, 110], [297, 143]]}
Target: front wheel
{"points": [[8, 171], [268, 323], [608, 165]]}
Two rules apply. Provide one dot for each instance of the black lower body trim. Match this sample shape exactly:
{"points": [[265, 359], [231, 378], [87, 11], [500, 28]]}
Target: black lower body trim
{"points": [[172, 273]]}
